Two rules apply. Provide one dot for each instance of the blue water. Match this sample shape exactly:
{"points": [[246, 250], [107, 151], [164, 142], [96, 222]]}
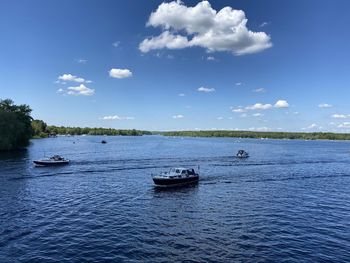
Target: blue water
{"points": [[289, 202]]}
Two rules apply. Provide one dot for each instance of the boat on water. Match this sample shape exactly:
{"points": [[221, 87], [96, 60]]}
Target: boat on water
{"points": [[52, 161], [103, 141], [242, 154], [176, 177]]}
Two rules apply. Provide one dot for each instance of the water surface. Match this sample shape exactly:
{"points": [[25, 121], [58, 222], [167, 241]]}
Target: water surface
{"points": [[290, 201]]}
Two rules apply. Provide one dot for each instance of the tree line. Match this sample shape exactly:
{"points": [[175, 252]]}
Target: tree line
{"points": [[268, 135], [17, 127]]}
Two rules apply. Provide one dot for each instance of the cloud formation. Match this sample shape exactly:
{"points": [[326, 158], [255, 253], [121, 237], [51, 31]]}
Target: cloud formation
{"points": [[340, 116], [116, 117], [259, 90], [325, 105], [120, 73], [203, 26], [344, 125], [70, 77], [179, 116], [259, 106], [281, 104], [205, 90], [79, 90]]}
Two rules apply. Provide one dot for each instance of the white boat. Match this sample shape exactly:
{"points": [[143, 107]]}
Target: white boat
{"points": [[242, 154], [52, 161], [176, 177]]}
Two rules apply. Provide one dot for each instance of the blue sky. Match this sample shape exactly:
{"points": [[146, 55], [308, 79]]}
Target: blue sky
{"points": [[179, 65]]}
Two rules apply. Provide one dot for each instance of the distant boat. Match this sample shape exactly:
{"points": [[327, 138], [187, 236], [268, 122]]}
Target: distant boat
{"points": [[176, 177], [52, 161], [103, 141], [242, 154]]}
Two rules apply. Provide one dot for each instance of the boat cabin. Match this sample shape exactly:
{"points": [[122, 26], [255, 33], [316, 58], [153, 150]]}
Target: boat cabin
{"points": [[182, 171]]}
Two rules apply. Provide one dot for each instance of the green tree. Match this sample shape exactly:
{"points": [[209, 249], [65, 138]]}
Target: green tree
{"points": [[15, 125], [39, 128]]}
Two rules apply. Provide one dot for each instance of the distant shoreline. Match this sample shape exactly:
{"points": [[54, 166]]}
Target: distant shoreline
{"points": [[262, 135]]}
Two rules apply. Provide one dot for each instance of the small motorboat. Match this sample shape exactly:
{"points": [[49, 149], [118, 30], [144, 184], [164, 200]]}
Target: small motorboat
{"points": [[176, 177], [54, 160], [242, 154], [103, 141]]}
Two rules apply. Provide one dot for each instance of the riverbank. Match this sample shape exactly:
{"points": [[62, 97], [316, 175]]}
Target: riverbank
{"points": [[263, 135]]}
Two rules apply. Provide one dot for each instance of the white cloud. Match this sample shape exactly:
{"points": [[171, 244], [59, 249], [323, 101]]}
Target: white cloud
{"points": [[116, 117], [70, 77], [211, 58], [325, 105], [164, 40], [80, 90], [238, 110], [116, 44], [281, 104], [179, 116], [260, 129], [345, 125], [259, 106], [313, 126], [340, 116], [206, 90], [220, 118], [258, 114], [263, 24], [202, 26], [182, 94], [259, 90], [238, 83], [120, 73], [60, 90], [81, 61]]}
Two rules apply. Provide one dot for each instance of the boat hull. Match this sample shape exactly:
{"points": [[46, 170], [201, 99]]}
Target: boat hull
{"points": [[45, 163], [168, 182]]}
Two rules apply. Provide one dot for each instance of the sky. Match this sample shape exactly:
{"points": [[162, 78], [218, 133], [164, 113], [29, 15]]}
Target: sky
{"points": [[179, 65]]}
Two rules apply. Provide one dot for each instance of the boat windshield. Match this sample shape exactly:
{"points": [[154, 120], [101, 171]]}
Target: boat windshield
{"points": [[177, 171]]}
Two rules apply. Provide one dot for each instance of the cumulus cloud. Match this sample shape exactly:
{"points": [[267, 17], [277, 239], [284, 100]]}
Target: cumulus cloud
{"points": [[238, 110], [260, 129], [313, 126], [345, 125], [340, 116], [116, 44], [259, 106], [164, 40], [203, 26], [120, 73], [116, 117], [179, 116], [206, 90], [80, 90], [263, 24], [81, 61], [70, 77], [325, 105], [281, 104], [60, 90], [258, 114], [259, 90]]}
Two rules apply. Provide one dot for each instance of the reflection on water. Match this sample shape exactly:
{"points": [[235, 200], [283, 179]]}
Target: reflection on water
{"points": [[290, 200]]}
